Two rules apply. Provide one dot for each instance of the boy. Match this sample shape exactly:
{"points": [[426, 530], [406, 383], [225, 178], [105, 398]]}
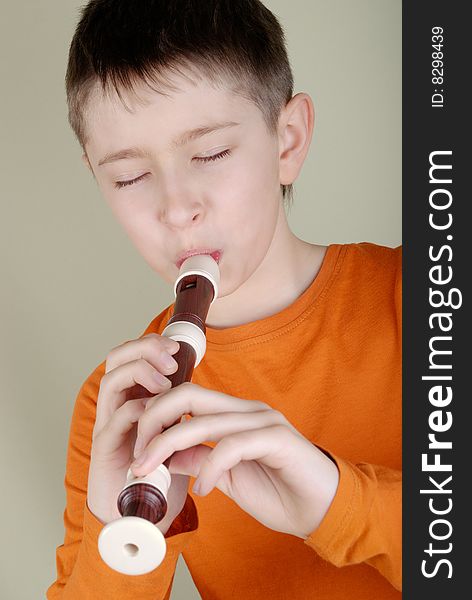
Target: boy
{"points": [[294, 440]]}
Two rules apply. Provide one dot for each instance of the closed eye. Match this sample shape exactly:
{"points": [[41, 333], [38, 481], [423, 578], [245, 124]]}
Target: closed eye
{"points": [[214, 157], [204, 159]]}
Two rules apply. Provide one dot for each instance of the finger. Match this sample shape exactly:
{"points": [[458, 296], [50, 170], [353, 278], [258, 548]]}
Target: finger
{"points": [[155, 348], [207, 428], [112, 436], [113, 386], [189, 462], [189, 399], [269, 446]]}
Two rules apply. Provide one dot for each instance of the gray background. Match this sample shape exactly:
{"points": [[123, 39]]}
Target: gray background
{"points": [[73, 286]]}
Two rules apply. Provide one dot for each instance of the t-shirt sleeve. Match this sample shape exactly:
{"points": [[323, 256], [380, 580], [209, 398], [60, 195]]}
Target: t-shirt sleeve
{"points": [[81, 572], [364, 520]]}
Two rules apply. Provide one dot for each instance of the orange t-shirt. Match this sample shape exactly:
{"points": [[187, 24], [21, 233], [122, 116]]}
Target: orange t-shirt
{"points": [[331, 363]]}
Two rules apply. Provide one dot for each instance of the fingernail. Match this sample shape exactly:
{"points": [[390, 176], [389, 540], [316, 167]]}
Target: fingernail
{"points": [[169, 362], [197, 487], [173, 345], [140, 460], [138, 447], [161, 379]]}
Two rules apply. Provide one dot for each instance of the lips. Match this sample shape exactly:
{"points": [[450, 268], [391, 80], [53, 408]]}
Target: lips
{"points": [[215, 254]]}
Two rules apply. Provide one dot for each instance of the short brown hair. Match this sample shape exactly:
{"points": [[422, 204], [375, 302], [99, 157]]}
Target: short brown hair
{"points": [[121, 42]]}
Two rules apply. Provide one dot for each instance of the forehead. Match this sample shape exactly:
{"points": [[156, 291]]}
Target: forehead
{"points": [[146, 114]]}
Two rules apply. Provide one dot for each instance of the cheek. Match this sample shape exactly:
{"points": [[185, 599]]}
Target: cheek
{"points": [[247, 204], [248, 195], [131, 217], [135, 216]]}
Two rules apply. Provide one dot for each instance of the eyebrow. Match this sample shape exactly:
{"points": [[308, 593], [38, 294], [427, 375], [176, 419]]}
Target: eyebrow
{"points": [[183, 139]]}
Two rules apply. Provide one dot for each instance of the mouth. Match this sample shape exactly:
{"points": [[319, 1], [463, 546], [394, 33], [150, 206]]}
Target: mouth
{"points": [[215, 254]]}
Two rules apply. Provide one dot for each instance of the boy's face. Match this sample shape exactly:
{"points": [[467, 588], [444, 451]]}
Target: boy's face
{"points": [[180, 201]]}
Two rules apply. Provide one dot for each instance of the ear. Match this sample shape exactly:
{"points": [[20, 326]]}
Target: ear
{"points": [[296, 124]]}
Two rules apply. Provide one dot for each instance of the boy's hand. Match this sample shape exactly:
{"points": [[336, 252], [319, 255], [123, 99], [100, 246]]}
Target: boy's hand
{"points": [[260, 460], [134, 372]]}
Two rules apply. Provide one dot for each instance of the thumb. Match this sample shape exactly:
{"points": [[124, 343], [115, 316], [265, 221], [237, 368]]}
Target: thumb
{"points": [[189, 461]]}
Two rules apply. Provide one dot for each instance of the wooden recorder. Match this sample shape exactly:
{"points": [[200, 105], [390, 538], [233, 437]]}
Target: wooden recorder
{"points": [[132, 544]]}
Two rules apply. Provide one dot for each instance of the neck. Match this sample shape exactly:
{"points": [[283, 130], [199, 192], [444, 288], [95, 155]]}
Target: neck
{"points": [[290, 260]]}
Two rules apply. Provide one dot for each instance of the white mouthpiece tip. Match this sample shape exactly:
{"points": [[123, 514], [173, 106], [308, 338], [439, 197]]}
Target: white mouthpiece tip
{"points": [[200, 264]]}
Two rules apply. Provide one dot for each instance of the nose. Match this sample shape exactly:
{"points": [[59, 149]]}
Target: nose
{"points": [[180, 210]]}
